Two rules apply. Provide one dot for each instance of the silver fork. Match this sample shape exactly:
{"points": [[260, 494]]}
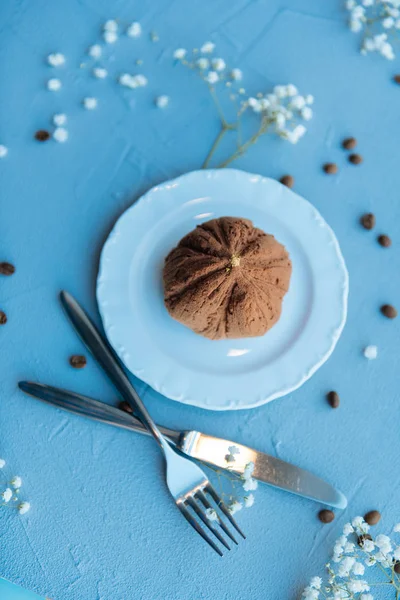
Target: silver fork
{"points": [[188, 484]]}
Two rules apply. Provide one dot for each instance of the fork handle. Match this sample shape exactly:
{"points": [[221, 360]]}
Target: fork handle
{"points": [[108, 360]]}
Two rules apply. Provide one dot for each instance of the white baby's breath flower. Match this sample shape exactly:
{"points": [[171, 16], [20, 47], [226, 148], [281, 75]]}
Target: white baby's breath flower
{"points": [[110, 37], [316, 583], [133, 81], [140, 80], [212, 77], [368, 546], [237, 74], [370, 352], [211, 514], [16, 482], [234, 507], [233, 449], [248, 470], [366, 2], [248, 501], [250, 484], [95, 51], [309, 99], [388, 23], [396, 528], [3, 154], [180, 53], [59, 119], [7, 495], [280, 91], [207, 48], [387, 51], [347, 529], [355, 25], [280, 121], [89, 103], [345, 566], [357, 586], [291, 90], [60, 135], [56, 59], [310, 594], [349, 547], [54, 84], [229, 458], [358, 522], [306, 113], [218, 64], [298, 102], [100, 72], [23, 508], [162, 101], [203, 63], [2, 463], [358, 569], [350, 4], [110, 25], [134, 30], [396, 553], [366, 597]]}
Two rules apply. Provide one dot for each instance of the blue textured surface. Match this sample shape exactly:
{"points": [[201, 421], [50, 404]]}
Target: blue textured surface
{"points": [[101, 525]]}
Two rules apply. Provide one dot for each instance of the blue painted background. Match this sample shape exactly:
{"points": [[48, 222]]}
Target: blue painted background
{"points": [[102, 525]]}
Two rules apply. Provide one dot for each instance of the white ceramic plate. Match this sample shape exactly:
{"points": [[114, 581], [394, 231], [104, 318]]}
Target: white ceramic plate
{"points": [[225, 374]]}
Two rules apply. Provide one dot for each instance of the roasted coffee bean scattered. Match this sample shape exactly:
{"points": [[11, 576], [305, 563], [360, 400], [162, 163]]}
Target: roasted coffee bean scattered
{"points": [[42, 135], [333, 399], [78, 361], [397, 568], [6, 268], [385, 241], [396, 78], [330, 168], [368, 221], [326, 515], [389, 311], [3, 318], [287, 180], [361, 539], [124, 405], [355, 159], [372, 517], [349, 143]]}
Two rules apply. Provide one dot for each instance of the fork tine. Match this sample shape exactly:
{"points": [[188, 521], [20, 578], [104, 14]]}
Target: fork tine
{"points": [[191, 501], [197, 527], [202, 497], [208, 488]]}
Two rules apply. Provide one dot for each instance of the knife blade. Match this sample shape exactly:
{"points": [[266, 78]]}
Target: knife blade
{"points": [[206, 448]]}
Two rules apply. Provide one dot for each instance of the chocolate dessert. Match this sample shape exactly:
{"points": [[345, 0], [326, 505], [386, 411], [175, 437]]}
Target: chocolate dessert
{"points": [[227, 279]]}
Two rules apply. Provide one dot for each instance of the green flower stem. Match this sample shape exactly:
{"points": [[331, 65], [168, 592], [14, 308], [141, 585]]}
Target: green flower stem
{"points": [[242, 149], [224, 128]]}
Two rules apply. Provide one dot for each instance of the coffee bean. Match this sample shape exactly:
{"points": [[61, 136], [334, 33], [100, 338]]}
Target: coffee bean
{"points": [[326, 516], [125, 406], [78, 361], [349, 143], [42, 135], [397, 568], [368, 221], [361, 539], [287, 180], [396, 78], [330, 168], [389, 311], [333, 399], [372, 517], [6, 268], [385, 241], [3, 318], [355, 159]]}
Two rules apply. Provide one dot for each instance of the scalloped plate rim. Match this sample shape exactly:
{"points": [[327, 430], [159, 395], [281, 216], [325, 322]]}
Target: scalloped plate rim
{"points": [[200, 402]]}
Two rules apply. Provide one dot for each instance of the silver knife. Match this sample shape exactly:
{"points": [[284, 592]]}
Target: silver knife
{"points": [[198, 445]]}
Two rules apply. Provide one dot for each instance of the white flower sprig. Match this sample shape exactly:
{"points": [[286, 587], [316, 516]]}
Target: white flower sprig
{"points": [[379, 22], [356, 555], [9, 495], [235, 499], [283, 111]]}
